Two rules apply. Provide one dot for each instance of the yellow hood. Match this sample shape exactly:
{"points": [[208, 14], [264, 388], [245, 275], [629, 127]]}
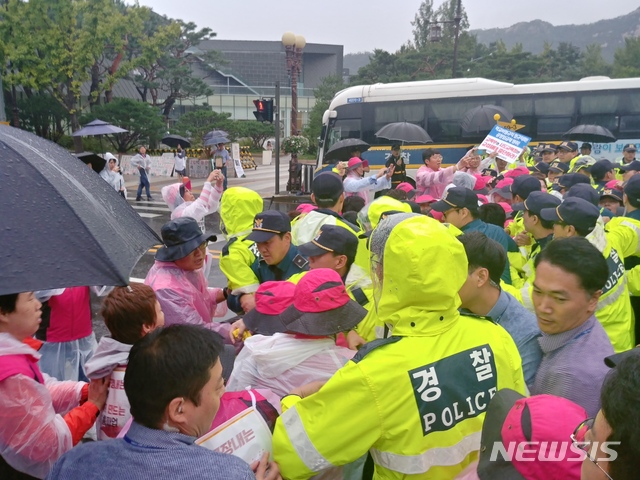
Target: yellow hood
{"points": [[423, 267], [369, 216], [238, 206]]}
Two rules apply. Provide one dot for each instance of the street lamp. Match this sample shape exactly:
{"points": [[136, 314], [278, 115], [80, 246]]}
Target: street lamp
{"points": [[293, 45], [435, 34]]}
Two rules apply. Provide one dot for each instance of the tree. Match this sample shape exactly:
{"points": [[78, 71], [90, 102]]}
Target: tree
{"points": [[626, 61], [143, 121], [164, 60], [324, 93], [427, 16], [43, 115], [421, 24], [593, 62], [195, 124], [258, 132]]}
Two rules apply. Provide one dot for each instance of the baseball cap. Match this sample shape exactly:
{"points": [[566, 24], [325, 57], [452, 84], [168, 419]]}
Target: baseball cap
{"points": [[425, 199], [408, 189], [321, 305], [516, 172], [540, 167], [613, 193], [571, 179], [549, 147], [267, 224], [354, 162], [613, 360], [586, 145], [536, 201], [573, 211], [584, 191], [568, 146], [600, 168], [632, 190], [503, 188], [327, 187], [524, 185], [331, 238], [629, 147], [559, 167], [539, 420], [456, 197], [272, 298], [634, 165]]}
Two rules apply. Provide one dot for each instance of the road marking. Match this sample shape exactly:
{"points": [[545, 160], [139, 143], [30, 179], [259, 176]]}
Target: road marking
{"points": [[149, 215], [153, 209]]}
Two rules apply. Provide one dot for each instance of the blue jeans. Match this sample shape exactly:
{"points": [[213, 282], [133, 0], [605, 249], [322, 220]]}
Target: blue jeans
{"points": [[224, 172], [144, 182]]}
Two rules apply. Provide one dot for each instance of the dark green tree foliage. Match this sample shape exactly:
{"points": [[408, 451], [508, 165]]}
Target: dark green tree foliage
{"points": [[258, 132], [143, 121], [627, 60], [195, 124], [43, 115]]}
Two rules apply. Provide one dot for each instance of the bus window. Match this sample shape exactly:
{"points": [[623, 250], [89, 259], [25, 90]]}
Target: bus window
{"points": [[599, 103], [564, 105], [555, 126], [609, 121], [343, 128], [630, 124], [412, 112], [518, 107]]}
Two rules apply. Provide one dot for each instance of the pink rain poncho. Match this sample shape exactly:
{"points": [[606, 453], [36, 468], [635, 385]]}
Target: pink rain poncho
{"points": [[207, 203]]}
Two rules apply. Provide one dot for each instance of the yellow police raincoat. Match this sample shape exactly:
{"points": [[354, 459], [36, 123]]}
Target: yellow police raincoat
{"points": [[415, 400], [238, 207]]}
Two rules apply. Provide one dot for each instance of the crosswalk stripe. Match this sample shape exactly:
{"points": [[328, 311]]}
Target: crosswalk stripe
{"points": [[153, 209], [148, 215]]}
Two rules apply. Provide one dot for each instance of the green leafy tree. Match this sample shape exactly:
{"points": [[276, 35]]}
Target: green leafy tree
{"points": [[44, 116], [195, 124], [143, 122], [593, 63], [258, 132], [626, 61], [165, 60], [324, 93]]}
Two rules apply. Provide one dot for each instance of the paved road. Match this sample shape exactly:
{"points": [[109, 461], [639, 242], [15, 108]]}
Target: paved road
{"points": [[156, 213]]}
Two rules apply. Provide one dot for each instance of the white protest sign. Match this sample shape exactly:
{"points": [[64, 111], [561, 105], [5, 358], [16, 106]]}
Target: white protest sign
{"points": [[237, 164], [508, 144], [246, 435]]}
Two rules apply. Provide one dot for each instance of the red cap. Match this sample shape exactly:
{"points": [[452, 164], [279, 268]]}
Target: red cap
{"points": [[405, 187], [516, 172], [425, 199], [483, 198], [272, 298], [506, 207], [365, 163], [354, 162], [187, 183], [306, 208]]}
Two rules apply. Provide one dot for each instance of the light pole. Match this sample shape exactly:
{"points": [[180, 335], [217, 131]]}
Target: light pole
{"points": [[293, 45], [435, 34]]}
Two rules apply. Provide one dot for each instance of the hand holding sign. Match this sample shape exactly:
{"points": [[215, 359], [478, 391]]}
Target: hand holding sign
{"points": [[506, 144]]}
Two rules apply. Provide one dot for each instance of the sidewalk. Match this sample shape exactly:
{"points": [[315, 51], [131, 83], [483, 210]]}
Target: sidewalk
{"points": [[261, 180]]}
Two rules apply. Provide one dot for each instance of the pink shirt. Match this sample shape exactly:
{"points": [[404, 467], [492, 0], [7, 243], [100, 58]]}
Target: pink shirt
{"points": [[432, 182]]}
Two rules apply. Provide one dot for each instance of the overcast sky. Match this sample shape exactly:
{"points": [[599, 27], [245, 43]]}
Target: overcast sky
{"points": [[362, 25]]}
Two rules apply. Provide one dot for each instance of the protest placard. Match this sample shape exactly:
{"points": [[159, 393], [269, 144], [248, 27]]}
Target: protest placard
{"points": [[508, 144]]}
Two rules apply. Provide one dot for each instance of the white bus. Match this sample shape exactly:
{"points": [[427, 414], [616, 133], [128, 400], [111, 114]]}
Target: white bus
{"points": [[547, 110]]}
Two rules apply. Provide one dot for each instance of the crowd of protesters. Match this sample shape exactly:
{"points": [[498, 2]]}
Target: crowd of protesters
{"points": [[477, 322]]}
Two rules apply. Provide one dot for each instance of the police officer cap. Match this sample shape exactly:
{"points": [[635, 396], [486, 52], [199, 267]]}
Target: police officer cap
{"points": [[571, 179], [559, 167], [584, 191], [568, 146], [536, 201], [331, 238], [457, 197], [540, 167], [524, 185], [327, 187], [629, 147], [267, 224], [573, 211], [601, 167], [549, 147], [635, 166], [632, 190]]}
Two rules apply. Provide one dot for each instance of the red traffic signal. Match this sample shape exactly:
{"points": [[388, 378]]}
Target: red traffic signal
{"points": [[260, 110]]}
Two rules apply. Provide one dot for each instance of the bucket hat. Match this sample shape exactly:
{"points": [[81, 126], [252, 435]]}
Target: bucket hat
{"points": [[181, 237], [321, 306], [272, 298]]}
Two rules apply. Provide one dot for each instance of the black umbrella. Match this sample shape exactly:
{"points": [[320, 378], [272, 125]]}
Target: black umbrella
{"points": [[62, 226], [214, 133], [590, 133], [342, 150], [174, 140], [481, 119], [404, 132], [215, 140], [96, 161]]}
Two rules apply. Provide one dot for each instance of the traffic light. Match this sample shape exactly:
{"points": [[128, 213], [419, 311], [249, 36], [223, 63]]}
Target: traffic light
{"points": [[268, 110], [260, 110]]}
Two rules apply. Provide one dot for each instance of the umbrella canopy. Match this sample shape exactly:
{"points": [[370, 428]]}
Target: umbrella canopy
{"points": [[342, 150], [62, 226], [96, 161], [590, 133], [481, 119], [404, 132], [214, 133], [215, 140], [174, 140], [98, 127]]}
